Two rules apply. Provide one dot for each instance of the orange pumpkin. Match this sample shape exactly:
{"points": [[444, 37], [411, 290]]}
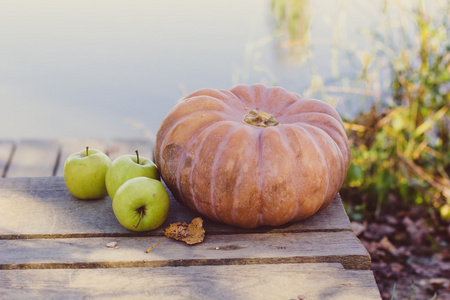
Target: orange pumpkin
{"points": [[253, 155]]}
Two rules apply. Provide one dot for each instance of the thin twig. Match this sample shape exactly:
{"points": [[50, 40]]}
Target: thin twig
{"points": [[148, 250]]}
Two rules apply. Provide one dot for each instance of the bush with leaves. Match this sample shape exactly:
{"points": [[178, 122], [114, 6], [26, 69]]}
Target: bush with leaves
{"points": [[402, 149]]}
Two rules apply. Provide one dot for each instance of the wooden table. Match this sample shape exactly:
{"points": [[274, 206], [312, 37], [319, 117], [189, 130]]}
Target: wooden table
{"points": [[53, 245]]}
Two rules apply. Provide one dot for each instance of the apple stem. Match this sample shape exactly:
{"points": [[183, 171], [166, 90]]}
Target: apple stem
{"points": [[141, 212], [148, 250], [137, 225], [137, 157], [87, 150]]}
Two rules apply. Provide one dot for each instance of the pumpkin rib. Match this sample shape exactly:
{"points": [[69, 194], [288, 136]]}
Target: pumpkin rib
{"points": [[294, 118], [222, 96], [298, 203], [243, 179], [218, 151], [311, 140], [260, 177], [331, 127], [186, 118], [182, 161], [285, 97], [221, 101], [243, 95], [332, 168], [216, 94], [191, 196], [190, 177], [296, 140], [184, 108], [288, 105], [338, 135], [307, 106], [332, 141], [263, 94], [287, 142], [173, 143], [189, 106], [194, 181], [195, 114], [253, 98], [171, 176], [277, 191], [342, 156]]}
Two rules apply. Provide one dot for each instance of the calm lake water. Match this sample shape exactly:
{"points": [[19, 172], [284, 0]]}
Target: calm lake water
{"points": [[110, 68]]}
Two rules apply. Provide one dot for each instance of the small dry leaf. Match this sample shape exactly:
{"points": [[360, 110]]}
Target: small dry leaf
{"points": [[189, 233], [387, 245], [359, 228]]}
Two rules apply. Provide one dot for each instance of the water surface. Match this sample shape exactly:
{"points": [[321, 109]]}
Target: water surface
{"points": [[114, 68]]}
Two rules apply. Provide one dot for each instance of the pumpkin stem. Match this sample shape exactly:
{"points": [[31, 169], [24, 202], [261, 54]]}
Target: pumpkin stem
{"points": [[260, 119]]}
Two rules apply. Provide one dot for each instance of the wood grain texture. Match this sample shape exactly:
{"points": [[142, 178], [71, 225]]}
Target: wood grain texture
{"points": [[33, 158], [265, 281], [69, 146], [232, 249], [44, 208], [6, 151], [120, 147]]}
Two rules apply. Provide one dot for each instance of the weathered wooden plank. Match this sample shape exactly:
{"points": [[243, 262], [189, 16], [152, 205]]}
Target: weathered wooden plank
{"points": [[43, 207], [267, 281], [231, 249], [6, 151], [33, 158], [120, 147], [69, 146]]}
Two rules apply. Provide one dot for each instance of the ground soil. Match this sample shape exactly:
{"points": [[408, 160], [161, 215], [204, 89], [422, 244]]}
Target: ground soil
{"points": [[410, 252]]}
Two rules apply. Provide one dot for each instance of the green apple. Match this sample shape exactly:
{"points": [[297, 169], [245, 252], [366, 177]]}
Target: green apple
{"points": [[84, 173], [127, 167], [141, 204]]}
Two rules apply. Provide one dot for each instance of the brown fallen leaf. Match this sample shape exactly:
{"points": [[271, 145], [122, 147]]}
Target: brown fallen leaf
{"points": [[192, 233], [387, 245], [189, 233], [359, 228]]}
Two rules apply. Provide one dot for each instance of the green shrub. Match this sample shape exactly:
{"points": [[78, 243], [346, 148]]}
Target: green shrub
{"points": [[401, 149]]}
